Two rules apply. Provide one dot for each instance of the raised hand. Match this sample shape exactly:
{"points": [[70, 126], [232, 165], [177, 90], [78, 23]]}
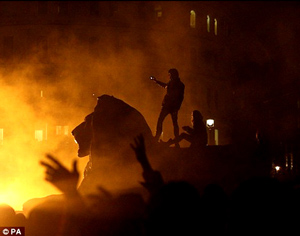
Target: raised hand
{"points": [[140, 152], [58, 175], [152, 78], [153, 179]]}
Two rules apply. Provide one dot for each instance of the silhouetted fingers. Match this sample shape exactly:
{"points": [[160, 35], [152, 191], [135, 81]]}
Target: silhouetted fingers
{"points": [[52, 158], [136, 143], [141, 138], [75, 170], [132, 146], [49, 178], [48, 166]]}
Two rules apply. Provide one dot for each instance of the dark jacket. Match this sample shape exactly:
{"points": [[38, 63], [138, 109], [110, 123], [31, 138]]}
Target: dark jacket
{"points": [[175, 94]]}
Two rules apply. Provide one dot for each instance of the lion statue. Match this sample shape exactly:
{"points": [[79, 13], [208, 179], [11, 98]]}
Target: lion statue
{"points": [[105, 136]]}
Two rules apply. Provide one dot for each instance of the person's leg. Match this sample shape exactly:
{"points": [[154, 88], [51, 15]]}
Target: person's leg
{"points": [[175, 123], [176, 126], [186, 137], [159, 126], [176, 140]]}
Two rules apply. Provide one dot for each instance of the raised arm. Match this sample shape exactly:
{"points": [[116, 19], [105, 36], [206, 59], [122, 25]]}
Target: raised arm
{"points": [[162, 84], [59, 176], [188, 129], [153, 179]]}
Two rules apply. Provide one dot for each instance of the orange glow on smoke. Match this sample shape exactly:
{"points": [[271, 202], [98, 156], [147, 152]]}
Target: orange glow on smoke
{"points": [[22, 178]]}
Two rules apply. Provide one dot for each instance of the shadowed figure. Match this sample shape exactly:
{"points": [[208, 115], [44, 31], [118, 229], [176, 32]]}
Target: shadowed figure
{"points": [[153, 179], [9, 217], [214, 210], [262, 204], [173, 207], [195, 135], [74, 214], [171, 103]]}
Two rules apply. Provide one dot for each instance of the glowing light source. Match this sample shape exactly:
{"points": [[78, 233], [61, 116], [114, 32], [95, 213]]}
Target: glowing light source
{"points": [[210, 123]]}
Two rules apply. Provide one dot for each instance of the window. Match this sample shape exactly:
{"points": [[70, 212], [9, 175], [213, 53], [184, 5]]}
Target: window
{"points": [[208, 23], [216, 26], [38, 135], [216, 137], [62, 130], [158, 12], [66, 130], [193, 19], [58, 130]]}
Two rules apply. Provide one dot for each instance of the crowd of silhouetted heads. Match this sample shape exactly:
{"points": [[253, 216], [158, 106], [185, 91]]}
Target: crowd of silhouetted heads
{"points": [[258, 205]]}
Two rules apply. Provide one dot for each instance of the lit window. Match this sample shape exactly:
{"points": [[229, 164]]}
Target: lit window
{"points": [[38, 135], [193, 19], [208, 23], [62, 130], [216, 137], [66, 130], [158, 11], [58, 130], [216, 26]]}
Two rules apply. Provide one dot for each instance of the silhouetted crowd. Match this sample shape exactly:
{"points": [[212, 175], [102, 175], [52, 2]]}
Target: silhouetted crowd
{"points": [[258, 205]]}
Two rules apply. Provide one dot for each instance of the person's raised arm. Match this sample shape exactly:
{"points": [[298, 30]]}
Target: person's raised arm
{"points": [[59, 176], [188, 129], [76, 212], [162, 84], [153, 179]]}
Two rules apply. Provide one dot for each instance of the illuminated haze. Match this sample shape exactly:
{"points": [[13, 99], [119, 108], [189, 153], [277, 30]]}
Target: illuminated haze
{"points": [[63, 91]]}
